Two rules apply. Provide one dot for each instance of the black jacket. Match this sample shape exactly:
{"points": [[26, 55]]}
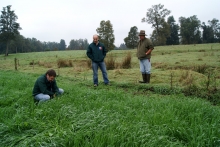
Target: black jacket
{"points": [[97, 52]]}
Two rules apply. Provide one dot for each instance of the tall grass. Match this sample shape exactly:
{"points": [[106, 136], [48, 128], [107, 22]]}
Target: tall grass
{"points": [[123, 114], [110, 62], [102, 116], [126, 63]]}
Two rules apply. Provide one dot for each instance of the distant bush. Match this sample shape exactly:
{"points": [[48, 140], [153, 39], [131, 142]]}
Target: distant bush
{"points": [[45, 64], [186, 78], [89, 63], [32, 63], [64, 63], [48, 65], [200, 68], [126, 63], [110, 62]]}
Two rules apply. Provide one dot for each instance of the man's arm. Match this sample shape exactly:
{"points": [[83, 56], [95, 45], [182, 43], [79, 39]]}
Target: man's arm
{"points": [[104, 51], [43, 88], [150, 47], [89, 52], [149, 51]]}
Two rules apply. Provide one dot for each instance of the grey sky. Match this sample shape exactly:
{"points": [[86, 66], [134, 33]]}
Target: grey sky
{"points": [[53, 20]]}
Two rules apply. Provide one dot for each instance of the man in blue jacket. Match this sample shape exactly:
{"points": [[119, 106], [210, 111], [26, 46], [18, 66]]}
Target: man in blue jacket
{"points": [[96, 52]]}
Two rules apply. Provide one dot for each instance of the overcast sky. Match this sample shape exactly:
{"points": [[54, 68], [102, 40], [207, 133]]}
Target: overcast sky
{"points": [[53, 20]]}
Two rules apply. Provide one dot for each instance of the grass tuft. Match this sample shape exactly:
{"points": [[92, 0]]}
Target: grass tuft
{"points": [[64, 63], [110, 62], [126, 63]]}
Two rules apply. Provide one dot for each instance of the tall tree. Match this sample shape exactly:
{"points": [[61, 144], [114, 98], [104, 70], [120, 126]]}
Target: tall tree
{"points": [[106, 36], [173, 38], [8, 26], [190, 30], [62, 45], [156, 17], [215, 25], [207, 33], [132, 40]]}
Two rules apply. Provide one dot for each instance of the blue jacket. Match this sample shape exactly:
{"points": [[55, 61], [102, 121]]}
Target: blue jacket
{"points": [[97, 52]]}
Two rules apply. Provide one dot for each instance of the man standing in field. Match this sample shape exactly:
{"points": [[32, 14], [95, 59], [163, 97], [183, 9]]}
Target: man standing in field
{"points": [[96, 52], [45, 87], [144, 50]]}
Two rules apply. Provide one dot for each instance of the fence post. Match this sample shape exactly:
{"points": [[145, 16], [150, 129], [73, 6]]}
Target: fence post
{"points": [[33, 64], [58, 71], [171, 81], [16, 64]]}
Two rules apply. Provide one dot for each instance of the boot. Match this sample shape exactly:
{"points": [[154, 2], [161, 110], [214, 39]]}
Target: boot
{"points": [[144, 77], [147, 78]]}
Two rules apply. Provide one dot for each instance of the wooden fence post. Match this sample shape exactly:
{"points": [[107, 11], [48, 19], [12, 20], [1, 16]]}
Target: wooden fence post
{"points": [[58, 71], [16, 64], [33, 64], [171, 81]]}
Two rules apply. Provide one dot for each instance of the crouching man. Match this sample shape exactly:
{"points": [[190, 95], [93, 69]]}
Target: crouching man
{"points": [[45, 87]]}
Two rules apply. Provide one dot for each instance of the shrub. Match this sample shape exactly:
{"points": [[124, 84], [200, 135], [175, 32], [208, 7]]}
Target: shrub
{"points": [[186, 78], [40, 63], [89, 63], [45, 64], [110, 62], [32, 63], [64, 63], [200, 68], [48, 65], [126, 63]]}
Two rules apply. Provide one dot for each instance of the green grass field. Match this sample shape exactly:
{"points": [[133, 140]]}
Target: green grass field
{"points": [[180, 107]]}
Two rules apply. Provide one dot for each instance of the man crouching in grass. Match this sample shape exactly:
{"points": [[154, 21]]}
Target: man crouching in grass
{"points": [[45, 87]]}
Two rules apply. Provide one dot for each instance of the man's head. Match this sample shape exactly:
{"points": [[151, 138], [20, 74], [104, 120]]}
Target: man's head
{"points": [[51, 74], [142, 34], [95, 39]]}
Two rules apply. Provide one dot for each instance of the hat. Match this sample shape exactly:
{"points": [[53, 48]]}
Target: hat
{"points": [[142, 33]]}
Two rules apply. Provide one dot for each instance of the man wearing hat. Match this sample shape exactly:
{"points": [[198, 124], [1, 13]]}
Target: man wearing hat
{"points": [[144, 50]]}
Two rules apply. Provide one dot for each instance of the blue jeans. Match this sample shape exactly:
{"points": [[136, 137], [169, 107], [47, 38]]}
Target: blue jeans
{"points": [[145, 66], [102, 67], [45, 97]]}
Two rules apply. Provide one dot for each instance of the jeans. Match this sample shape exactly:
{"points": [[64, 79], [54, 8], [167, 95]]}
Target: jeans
{"points": [[145, 66], [102, 67], [45, 97]]}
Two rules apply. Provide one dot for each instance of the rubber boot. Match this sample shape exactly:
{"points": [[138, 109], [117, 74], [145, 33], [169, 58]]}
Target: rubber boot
{"points": [[144, 77], [147, 78]]}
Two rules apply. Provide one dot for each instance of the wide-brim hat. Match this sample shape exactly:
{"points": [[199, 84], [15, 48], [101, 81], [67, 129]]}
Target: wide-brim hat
{"points": [[142, 33]]}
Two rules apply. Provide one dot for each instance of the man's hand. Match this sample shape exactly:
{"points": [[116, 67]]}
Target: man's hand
{"points": [[149, 51]]}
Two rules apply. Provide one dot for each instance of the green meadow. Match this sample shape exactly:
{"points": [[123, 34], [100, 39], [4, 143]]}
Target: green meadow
{"points": [[180, 107]]}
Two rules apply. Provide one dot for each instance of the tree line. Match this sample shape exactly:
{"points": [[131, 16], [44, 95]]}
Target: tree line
{"points": [[190, 30]]}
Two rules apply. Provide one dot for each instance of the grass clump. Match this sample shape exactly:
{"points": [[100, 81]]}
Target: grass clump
{"points": [[110, 62], [126, 63], [64, 63]]}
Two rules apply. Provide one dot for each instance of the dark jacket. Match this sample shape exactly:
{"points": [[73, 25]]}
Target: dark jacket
{"points": [[97, 52], [42, 85], [143, 47]]}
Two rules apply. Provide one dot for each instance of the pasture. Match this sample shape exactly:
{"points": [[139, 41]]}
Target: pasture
{"points": [[180, 107]]}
